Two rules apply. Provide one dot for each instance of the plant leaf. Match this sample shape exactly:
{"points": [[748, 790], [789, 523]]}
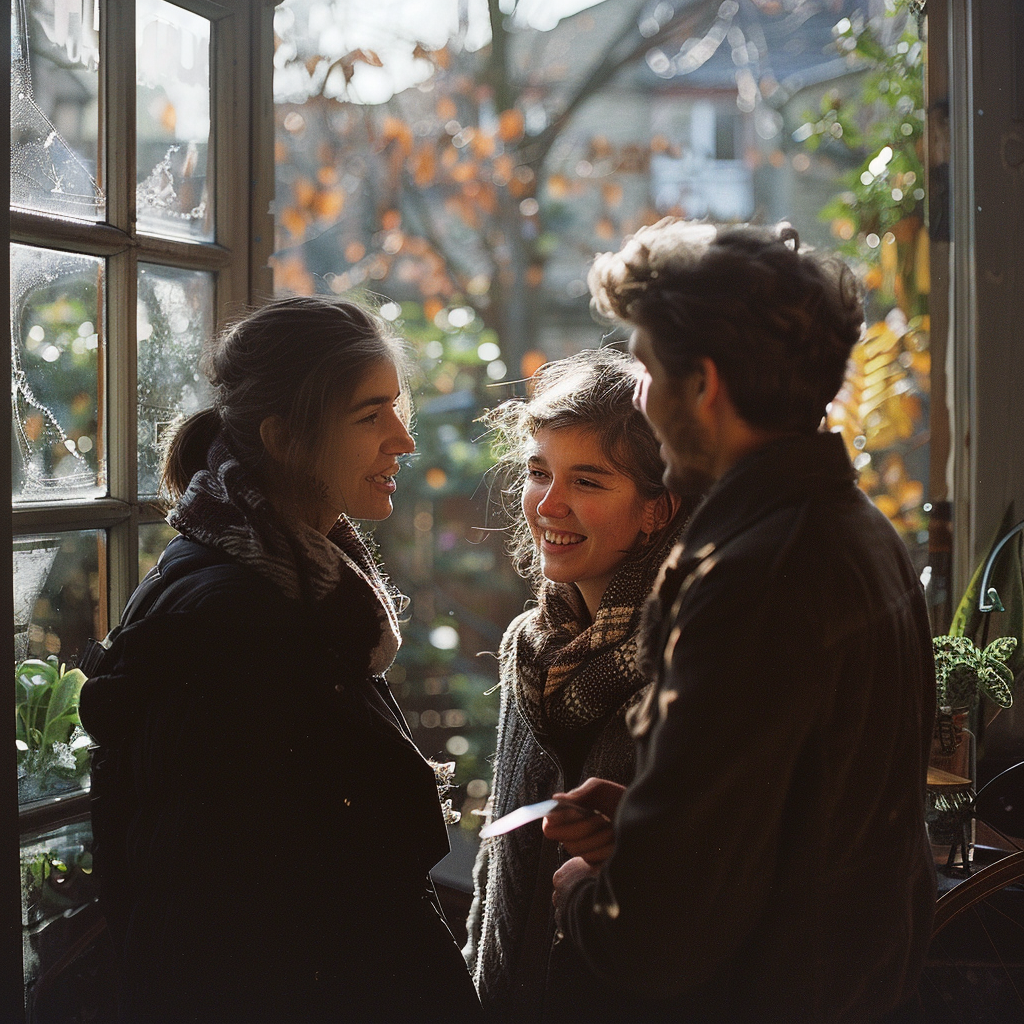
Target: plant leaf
{"points": [[996, 681], [1001, 649], [62, 712]]}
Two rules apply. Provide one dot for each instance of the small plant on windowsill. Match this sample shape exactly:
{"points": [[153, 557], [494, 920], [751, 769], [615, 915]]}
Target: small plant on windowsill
{"points": [[53, 748]]}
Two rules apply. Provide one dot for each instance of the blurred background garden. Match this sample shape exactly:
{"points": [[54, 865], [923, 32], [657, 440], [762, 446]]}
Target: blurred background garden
{"points": [[459, 162]]}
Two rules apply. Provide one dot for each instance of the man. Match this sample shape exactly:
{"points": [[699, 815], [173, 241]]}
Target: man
{"points": [[769, 860]]}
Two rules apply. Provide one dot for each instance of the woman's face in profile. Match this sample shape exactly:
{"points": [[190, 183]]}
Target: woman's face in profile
{"points": [[359, 460], [584, 514]]}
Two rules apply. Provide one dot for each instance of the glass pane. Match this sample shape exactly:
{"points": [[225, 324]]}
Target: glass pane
{"points": [[153, 538], [57, 309], [173, 121], [175, 317], [55, 55], [66, 965], [57, 607]]}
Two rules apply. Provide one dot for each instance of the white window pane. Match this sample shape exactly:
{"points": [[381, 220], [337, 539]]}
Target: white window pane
{"points": [[54, 89], [57, 314], [173, 121], [175, 319]]}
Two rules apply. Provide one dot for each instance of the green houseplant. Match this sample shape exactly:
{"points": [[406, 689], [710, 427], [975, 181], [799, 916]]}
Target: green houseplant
{"points": [[968, 667], [963, 671], [52, 745]]}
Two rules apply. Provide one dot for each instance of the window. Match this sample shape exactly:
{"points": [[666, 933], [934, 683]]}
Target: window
{"points": [[132, 149]]}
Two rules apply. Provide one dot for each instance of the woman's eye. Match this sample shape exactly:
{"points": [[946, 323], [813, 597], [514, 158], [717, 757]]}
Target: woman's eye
{"points": [[372, 418], [536, 474], [583, 482]]}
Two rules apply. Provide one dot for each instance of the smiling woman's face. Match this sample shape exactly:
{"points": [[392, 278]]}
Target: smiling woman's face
{"points": [[585, 515], [358, 463]]}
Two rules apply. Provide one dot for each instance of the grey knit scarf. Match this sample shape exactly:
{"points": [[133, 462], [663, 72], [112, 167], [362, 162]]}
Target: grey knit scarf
{"points": [[224, 509]]}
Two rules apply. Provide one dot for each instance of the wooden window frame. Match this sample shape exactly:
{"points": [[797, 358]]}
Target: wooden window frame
{"points": [[241, 63]]}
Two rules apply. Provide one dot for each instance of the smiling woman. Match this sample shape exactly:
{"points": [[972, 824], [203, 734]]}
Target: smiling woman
{"points": [[591, 525]]}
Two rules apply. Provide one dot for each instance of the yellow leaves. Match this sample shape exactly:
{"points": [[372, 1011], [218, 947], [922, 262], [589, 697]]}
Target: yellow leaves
{"points": [[168, 118], [482, 145], [612, 192], [558, 186], [292, 221], [503, 169], [291, 276], [511, 124], [879, 413], [395, 130], [355, 251], [922, 272], [328, 205], [446, 109]]}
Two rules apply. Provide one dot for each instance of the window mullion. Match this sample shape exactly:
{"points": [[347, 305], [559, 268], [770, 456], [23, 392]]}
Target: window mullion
{"points": [[117, 109], [120, 363]]}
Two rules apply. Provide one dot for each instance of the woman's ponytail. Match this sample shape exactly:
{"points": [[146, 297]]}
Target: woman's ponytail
{"points": [[187, 450]]}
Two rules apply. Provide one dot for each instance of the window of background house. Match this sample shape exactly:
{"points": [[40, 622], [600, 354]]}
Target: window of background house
{"points": [[460, 162], [125, 243]]}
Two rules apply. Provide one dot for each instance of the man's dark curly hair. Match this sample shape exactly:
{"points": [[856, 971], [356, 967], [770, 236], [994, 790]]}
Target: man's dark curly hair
{"points": [[777, 322]]}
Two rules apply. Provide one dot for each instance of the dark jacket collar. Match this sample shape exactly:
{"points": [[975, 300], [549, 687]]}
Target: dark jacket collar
{"points": [[781, 473]]}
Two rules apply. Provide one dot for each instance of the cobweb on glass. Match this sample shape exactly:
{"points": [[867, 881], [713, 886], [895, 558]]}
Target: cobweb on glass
{"points": [[37, 429], [47, 174]]}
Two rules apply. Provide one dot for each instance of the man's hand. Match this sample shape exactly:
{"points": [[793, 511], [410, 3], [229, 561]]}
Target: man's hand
{"points": [[565, 878], [590, 837]]}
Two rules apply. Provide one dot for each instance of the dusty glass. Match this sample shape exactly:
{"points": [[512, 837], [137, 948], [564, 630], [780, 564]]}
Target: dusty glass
{"points": [[175, 319], [57, 883], [57, 609], [55, 155], [57, 314], [173, 122]]}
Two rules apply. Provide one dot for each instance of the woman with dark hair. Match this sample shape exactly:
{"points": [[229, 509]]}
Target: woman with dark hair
{"points": [[264, 824], [591, 525]]}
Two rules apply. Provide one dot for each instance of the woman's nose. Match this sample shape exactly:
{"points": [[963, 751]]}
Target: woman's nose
{"points": [[401, 441], [552, 504]]}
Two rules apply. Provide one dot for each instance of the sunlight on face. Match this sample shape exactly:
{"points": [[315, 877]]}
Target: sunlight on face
{"points": [[360, 459], [585, 515]]}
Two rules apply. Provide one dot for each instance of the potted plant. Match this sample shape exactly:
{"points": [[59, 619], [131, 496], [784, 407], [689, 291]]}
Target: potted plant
{"points": [[967, 668], [53, 748]]}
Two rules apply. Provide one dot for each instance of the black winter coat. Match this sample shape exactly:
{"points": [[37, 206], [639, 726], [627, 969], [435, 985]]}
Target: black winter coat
{"points": [[771, 862], [264, 824]]}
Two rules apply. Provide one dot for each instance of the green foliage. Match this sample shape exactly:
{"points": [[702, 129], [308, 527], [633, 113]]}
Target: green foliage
{"points": [[963, 671], [1008, 579], [884, 123], [49, 735]]}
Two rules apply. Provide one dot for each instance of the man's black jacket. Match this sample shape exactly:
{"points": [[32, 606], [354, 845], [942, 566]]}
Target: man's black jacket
{"points": [[771, 860]]}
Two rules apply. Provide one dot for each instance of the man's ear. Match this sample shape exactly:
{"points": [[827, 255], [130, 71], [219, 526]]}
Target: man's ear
{"points": [[708, 382], [275, 437]]}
